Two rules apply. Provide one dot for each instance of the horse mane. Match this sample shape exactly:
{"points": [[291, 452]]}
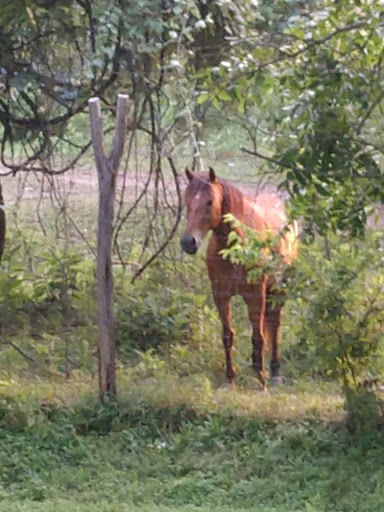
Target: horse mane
{"points": [[236, 202], [233, 199]]}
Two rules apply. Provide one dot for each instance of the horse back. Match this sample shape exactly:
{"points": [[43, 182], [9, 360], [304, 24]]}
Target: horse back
{"points": [[272, 210]]}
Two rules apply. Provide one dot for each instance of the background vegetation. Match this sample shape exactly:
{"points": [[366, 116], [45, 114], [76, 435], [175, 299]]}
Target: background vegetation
{"points": [[274, 93]]}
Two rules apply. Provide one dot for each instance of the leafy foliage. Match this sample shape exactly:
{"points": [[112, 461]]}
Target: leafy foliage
{"points": [[48, 309], [335, 86], [58, 54], [342, 313], [342, 321], [339, 310], [155, 312], [312, 95], [254, 250]]}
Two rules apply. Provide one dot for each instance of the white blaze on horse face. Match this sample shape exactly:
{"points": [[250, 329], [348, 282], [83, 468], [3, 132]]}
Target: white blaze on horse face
{"points": [[198, 220]]}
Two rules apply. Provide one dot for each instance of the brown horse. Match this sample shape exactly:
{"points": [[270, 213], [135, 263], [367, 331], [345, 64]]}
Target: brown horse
{"points": [[207, 200]]}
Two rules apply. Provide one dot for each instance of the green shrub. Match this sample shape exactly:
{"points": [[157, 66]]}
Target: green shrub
{"points": [[47, 312], [340, 308], [337, 307], [159, 310], [340, 314]]}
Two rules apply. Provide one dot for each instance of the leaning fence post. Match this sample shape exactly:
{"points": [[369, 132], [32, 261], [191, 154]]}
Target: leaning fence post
{"points": [[107, 167]]}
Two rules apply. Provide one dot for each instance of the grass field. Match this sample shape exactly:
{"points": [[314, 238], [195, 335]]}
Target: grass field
{"points": [[178, 444]]}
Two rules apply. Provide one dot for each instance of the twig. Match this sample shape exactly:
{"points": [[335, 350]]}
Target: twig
{"points": [[369, 112], [18, 349], [270, 159], [174, 227]]}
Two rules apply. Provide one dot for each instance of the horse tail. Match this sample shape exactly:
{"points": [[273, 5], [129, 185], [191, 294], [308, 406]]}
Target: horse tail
{"points": [[298, 234], [295, 229], [289, 243]]}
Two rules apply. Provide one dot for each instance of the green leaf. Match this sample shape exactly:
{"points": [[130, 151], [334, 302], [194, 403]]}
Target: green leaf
{"points": [[202, 98]]}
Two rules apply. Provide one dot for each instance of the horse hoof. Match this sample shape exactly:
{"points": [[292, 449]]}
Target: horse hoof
{"points": [[263, 391], [276, 380]]}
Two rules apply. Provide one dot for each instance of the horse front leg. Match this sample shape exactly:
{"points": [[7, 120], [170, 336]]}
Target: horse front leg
{"points": [[223, 305], [256, 302]]}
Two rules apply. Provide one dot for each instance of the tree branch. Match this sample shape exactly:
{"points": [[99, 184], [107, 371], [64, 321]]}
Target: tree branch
{"points": [[369, 112], [21, 352], [174, 227], [270, 159]]}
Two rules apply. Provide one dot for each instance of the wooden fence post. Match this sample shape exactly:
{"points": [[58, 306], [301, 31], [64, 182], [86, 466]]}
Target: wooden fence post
{"points": [[107, 167]]}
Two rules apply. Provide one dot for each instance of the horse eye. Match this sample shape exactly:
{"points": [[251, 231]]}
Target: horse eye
{"points": [[209, 203]]}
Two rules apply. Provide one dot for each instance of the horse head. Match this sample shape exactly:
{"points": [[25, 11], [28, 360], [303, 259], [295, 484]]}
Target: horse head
{"points": [[203, 200]]}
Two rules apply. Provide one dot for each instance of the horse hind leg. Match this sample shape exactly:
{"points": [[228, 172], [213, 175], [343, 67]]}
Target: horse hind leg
{"points": [[223, 305], [256, 302], [273, 313]]}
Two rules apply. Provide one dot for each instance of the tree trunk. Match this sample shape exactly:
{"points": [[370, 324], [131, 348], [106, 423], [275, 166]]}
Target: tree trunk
{"points": [[107, 171]]}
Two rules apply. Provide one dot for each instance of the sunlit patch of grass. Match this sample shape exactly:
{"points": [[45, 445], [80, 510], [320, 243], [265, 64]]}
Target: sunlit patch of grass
{"points": [[29, 387], [282, 405], [295, 402]]}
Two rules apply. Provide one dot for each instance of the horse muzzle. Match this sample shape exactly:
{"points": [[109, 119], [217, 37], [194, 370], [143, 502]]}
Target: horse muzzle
{"points": [[190, 244]]}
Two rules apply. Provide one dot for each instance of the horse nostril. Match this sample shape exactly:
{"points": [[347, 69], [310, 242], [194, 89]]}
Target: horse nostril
{"points": [[189, 244]]}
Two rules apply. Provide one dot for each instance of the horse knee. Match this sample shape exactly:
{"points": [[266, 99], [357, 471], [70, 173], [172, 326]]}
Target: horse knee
{"points": [[228, 331]]}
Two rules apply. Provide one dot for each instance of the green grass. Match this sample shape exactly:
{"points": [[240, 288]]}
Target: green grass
{"points": [[193, 449], [181, 443]]}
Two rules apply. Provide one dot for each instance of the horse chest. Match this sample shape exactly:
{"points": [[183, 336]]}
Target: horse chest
{"points": [[226, 277], [238, 274]]}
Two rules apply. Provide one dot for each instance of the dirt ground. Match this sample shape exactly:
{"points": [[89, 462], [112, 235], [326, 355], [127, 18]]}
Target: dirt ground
{"points": [[83, 182]]}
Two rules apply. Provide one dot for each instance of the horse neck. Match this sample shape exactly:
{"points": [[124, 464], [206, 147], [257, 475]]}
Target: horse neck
{"points": [[233, 202], [241, 207]]}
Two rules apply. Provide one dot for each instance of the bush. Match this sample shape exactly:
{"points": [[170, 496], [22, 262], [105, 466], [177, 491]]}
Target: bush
{"points": [[156, 311], [341, 316], [47, 312], [340, 309], [337, 307]]}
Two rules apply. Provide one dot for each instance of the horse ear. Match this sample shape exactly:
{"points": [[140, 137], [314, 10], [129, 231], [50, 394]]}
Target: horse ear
{"points": [[212, 175], [190, 174]]}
